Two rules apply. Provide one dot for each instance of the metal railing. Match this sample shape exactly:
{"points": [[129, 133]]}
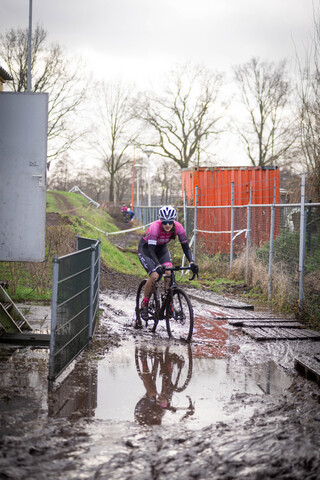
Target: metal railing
{"points": [[75, 304], [146, 215]]}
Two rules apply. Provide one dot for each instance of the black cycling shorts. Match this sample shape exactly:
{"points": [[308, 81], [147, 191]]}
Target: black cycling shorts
{"points": [[161, 251]]}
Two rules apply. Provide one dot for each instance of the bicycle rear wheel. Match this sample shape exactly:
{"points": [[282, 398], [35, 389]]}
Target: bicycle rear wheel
{"points": [[153, 308], [179, 316]]}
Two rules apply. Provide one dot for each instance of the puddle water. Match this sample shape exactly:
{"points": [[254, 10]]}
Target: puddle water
{"points": [[171, 383], [156, 381], [151, 380], [225, 402]]}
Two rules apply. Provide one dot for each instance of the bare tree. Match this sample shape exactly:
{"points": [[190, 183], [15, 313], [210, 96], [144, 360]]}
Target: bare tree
{"points": [[96, 183], [51, 72], [309, 111], [61, 175], [264, 91], [168, 180], [181, 123], [123, 182], [114, 134]]}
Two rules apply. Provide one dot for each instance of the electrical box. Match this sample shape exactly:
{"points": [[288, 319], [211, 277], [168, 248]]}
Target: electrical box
{"points": [[23, 159]]}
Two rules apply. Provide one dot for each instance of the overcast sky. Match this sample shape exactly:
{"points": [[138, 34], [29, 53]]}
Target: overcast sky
{"points": [[139, 39]]}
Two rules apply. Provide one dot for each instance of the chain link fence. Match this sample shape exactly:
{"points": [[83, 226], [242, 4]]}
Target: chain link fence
{"points": [[274, 246]]}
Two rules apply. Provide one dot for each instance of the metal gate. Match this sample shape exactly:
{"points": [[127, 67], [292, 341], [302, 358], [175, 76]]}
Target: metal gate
{"points": [[75, 304]]}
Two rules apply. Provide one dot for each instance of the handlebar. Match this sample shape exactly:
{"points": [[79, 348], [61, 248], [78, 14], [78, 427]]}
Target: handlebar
{"points": [[176, 269]]}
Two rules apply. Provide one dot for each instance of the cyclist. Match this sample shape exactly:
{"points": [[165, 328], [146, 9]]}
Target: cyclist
{"points": [[154, 254], [152, 406]]}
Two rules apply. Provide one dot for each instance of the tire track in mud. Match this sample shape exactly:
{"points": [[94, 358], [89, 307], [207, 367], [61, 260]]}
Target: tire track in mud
{"points": [[278, 439]]}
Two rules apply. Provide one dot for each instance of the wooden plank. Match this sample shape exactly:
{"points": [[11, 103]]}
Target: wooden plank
{"points": [[313, 333], [232, 304], [308, 366], [261, 334], [288, 334], [258, 333], [275, 333], [279, 324], [34, 339], [240, 321]]}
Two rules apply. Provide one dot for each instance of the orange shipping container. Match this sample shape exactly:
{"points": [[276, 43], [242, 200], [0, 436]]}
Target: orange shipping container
{"points": [[214, 189]]}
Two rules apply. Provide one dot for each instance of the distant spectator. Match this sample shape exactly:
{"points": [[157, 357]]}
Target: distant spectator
{"points": [[124, 210], [131, 213]]}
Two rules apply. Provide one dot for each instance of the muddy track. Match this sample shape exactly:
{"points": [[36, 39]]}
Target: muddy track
{"points": [[64, 205]]}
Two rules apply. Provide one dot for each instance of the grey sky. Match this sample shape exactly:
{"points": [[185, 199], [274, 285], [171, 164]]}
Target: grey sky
{"points": [[141, 38]]}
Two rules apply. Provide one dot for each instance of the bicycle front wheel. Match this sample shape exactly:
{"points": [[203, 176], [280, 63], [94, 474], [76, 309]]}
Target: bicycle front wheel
{"points": [[179, 316], [153, 308]]}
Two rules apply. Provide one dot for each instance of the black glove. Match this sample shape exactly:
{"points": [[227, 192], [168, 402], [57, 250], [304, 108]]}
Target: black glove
{"points": [[194, 268], [160, 271]]}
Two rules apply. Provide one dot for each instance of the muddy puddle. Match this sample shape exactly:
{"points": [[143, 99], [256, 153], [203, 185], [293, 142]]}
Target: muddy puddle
{"points": [[167, 384], [141, 406]]}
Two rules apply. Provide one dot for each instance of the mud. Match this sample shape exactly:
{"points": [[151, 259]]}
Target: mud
{"points": [[226, 407]]}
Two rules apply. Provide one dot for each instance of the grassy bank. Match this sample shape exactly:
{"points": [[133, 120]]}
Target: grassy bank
{"points": [[68, 215]]}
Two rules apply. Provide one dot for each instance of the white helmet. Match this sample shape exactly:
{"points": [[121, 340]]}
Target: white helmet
{"points": [[167, 213]]}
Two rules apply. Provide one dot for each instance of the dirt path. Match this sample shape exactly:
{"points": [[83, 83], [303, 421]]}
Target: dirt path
{"points": [[80, 431], [253, 417]]}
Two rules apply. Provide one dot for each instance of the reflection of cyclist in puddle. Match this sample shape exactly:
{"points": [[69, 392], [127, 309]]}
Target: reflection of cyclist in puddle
{"points": [[168, 367]]}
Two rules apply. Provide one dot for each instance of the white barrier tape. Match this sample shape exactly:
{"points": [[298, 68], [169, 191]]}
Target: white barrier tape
{"points": [[238, 232], [226, 231], [118, 231]]}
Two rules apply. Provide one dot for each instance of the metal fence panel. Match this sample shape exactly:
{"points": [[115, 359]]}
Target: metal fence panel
{"points": [[312, 261], [75, 304], [146, 215], [82, 243]]}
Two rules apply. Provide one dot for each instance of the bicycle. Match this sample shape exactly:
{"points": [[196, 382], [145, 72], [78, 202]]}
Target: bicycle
{"points": [[159, 360], [126, 217], [173, 306], [163, 373]]}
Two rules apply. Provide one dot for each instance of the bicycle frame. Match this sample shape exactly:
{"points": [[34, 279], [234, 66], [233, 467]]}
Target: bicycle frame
{"points": [[173, 305], [172, 285]]}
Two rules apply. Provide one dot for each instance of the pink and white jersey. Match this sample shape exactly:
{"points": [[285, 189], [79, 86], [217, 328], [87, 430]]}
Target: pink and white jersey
{"points": [[155, 235]]}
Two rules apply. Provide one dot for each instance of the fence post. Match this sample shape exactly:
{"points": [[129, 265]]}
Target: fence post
{"points": [[248, 234], [302, 244], [308, 227], [98, 283], [185, 211], [195, 223], [232, 225], [93, 255], [273, 214], [54, 301]]}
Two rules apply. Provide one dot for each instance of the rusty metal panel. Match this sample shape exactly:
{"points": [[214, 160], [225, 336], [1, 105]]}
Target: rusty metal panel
{"points": [[23, 157], [215, 190]]}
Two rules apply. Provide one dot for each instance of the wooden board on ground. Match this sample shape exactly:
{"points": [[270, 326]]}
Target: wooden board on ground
{"points": [[246, 322], [262, 334], [308, 366], [34, 339], [266, 322], [220, 301]]}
